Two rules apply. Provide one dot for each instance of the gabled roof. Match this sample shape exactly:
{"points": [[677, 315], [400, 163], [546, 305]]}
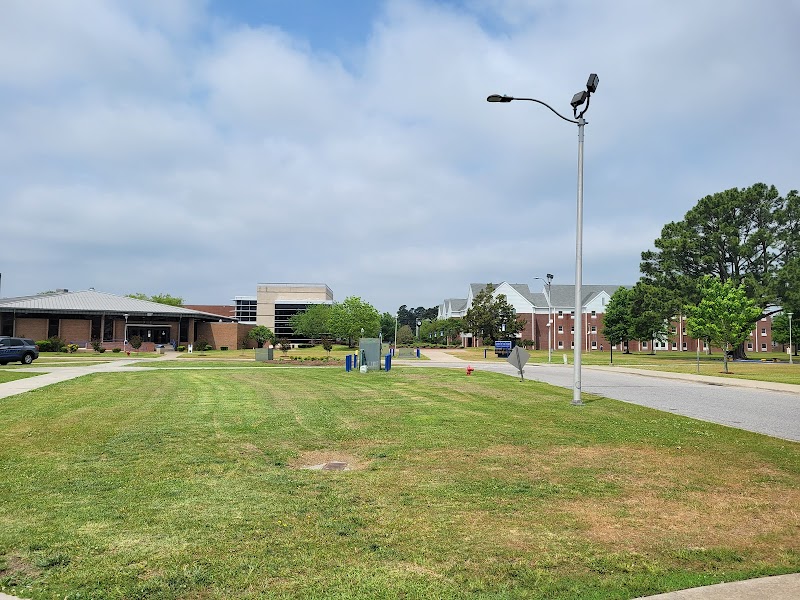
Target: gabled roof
{"points": [[456, 304], [564, 295], [93, 302]]}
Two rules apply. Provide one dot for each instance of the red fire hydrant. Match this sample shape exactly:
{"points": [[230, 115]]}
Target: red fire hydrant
{"points": [[469, 370]]}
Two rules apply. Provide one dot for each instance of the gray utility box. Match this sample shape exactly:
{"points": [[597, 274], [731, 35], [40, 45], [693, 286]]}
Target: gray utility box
{"points": [[264, 354]]}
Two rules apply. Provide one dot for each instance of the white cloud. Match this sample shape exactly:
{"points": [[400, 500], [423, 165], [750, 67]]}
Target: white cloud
{"points": [[152, 147]]}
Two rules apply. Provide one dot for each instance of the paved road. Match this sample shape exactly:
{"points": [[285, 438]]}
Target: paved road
{"points": [[734, 402]]}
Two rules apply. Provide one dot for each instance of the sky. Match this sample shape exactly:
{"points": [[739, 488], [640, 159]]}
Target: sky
{"points": [[201, 148]]}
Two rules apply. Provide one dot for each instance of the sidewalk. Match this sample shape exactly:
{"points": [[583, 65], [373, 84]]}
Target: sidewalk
{"points": [[51, 375], [780, 587]]}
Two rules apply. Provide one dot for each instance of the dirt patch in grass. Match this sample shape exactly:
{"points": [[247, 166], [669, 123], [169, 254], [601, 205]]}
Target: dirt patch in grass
{"points": [[687, 499], [315, 458], [12, 565]]}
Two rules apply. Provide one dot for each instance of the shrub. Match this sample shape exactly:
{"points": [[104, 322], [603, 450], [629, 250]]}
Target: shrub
{"points": [[136, 342], [285, 345], [57, 344], [97, 345], [181, 348], [45, 346], [202, 346], [71, 348], [116, 350]]}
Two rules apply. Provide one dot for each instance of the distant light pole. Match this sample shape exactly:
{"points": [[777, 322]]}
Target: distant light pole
{"points": [[419, 322], [125, 335], [396, 319], [790, 337], [577, 101], [548, 283]]}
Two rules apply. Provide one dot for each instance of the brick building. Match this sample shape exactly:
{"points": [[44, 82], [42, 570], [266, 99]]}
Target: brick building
{"points": [[80, 317], [549, 318]]}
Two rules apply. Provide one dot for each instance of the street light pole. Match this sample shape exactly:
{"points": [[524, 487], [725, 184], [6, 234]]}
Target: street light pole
{"points": [[548, 283], [396, 319], [790, 338], [577, 101]]}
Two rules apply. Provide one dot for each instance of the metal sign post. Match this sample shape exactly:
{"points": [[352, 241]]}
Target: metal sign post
{"points": [[519, 359]]}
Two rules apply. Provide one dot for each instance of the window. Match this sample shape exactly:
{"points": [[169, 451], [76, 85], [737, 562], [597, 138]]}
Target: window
{"points": [[764, 330], [183, 335], [763, 347], [572, 344], [594, 328], [683, 331], [594, 314], [246, 309], [572, 329], [594, 345], [108, 329], [572, 313], [560, 329], [674, 330], [95, 331], [685, 346], [675, 345], [561, 314], [560, 344], [52, 328], [644, 345], [749, 345]]}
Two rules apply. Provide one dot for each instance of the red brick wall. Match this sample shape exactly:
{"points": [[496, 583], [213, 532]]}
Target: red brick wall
{"points": [[218, 335], [35, 329], [76, 331]]}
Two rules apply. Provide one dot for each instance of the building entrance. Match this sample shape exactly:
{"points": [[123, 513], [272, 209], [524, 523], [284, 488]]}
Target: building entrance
{"points": [[148, 333]]}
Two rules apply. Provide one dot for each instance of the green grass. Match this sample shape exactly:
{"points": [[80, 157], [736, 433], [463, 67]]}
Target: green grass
{"points": [[188, 484], [6, 376]]}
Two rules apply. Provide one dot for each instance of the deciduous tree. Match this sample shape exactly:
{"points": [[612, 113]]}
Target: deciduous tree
{"points": [[261, 334], [617, 319], [724, 316], [349, 317], [312, 323]]}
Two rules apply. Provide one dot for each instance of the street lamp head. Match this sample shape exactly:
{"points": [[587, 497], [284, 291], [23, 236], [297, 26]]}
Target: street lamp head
{"points": [[579, 98], [549, 277], [591, 85], [499, 98]]}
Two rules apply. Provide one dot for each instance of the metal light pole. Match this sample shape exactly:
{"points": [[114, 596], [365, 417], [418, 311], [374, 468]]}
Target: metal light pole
{"points": [[418, 324], [396, 319], [790, 337], [577, 101], [125, 335], [548, 283]]}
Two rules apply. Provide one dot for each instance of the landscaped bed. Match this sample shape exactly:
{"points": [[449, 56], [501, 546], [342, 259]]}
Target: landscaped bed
{"points": [[199, 484]]}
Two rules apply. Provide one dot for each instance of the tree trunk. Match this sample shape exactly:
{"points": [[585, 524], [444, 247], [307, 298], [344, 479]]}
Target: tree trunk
{"points": [[739, 353]]}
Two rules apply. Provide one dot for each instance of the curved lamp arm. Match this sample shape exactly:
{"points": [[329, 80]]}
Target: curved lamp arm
{"points": [[499, 98]]}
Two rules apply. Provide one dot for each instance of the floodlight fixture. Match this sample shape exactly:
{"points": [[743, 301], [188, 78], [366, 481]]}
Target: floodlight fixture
{"points": [[549, 277], [591, 85], [579, 98], [499, 98]]}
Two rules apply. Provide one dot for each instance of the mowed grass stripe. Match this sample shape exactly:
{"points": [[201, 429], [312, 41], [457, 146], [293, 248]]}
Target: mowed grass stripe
{"points": [[187, 485]]}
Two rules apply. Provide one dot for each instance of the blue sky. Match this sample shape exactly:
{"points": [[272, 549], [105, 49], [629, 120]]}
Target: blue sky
{"points": [[199, 148]]}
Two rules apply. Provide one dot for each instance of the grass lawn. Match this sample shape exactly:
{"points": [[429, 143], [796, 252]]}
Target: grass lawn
{"points": [[6, 376], [190, 485]]}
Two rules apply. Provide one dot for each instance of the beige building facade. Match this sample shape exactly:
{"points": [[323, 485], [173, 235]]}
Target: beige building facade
{"points": [[277, 303]]}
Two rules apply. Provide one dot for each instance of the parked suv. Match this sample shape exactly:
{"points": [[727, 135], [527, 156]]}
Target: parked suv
{"points": [[14, 349]]}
